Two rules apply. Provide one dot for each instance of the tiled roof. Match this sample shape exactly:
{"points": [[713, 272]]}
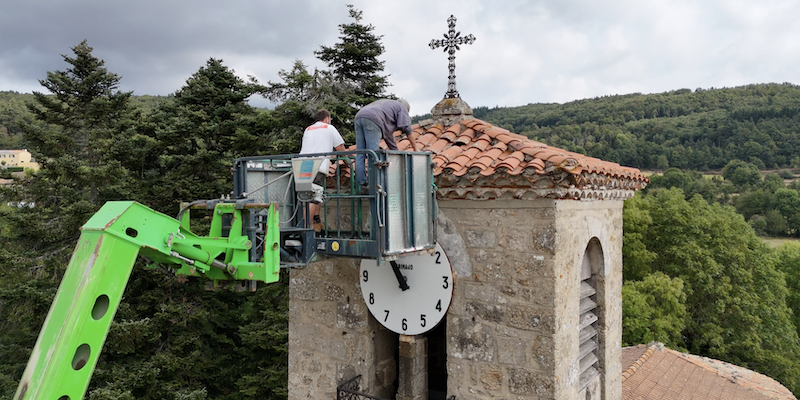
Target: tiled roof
{"points": [[654, 372], [475, 159]]}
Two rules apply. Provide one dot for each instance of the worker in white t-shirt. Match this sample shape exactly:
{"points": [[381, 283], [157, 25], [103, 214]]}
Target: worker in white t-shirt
{"points": [[322, 137]]}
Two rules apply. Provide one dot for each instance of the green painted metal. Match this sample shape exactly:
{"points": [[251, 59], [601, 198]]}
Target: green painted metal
{"points": [[76, 327], [233, 249]]}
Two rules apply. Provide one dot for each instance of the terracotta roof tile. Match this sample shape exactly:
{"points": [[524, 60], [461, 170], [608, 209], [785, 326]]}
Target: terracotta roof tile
{"points": [[500, 145], [483, 142], [404, 145], [466, 136], [427, 139], [437, 129], [655, 372], [451, 133], [483, 161], [494, 131], [438, 146], [451, 153]]}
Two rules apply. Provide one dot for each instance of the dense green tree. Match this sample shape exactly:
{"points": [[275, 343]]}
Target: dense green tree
{"points": [[735, 296], [83, 114], [789, 263], [178, 340], [169, 340], [752, 203], [787, 202], [775, 223], [185, 150], [772, 182], [654, 309], [300, 94], [14, 114], [672, 177], [741, 173], [691, 182]]}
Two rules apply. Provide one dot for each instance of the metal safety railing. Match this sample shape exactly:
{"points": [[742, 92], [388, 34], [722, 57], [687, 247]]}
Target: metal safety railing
{"points": [[393, 217]]}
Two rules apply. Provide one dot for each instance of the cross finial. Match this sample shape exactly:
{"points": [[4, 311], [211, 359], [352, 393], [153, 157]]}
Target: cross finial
{"points": [[450, 43]]}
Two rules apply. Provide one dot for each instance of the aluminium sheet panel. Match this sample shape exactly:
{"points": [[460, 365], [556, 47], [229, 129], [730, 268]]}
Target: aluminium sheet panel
{"points": [[422, 200], [396, 203]]}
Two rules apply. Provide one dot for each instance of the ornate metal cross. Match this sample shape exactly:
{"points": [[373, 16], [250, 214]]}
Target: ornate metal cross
{"points": [[450, 43]]}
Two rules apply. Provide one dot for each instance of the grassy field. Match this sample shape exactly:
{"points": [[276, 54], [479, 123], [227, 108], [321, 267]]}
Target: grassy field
{"points": [[778, 242]]}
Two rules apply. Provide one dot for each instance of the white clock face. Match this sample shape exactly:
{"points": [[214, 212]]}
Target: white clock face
{"points": [[419, 308]]}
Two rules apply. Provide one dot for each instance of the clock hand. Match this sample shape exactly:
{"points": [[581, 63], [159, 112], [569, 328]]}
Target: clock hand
{"points": [[399, 276]]}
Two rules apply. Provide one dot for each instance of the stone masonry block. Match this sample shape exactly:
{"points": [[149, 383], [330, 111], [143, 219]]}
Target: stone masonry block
{"points": [[413, 367], [484, 292], [471, 340], [484, 255], [524, 382], [492, 272], [543, 352], [532, 319], [334, 293], [313, 314], [413, 346], [487, 312], [351, 316], [530, 268], [386, 373], [304, 289], [544, 238], [481, 238], [411, 382], [492, 378], [346, 271], [515, 239], [511, 350]]}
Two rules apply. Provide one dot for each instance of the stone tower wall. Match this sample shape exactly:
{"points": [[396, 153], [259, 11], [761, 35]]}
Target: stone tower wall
{"points": [[332, 337], [512, 327], [513, 324]]}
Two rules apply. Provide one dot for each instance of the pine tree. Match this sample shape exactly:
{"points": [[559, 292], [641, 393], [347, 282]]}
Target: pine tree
{"points": [[84, 108], [352, 81], [81, 116], [196, 136], [355, 59]]}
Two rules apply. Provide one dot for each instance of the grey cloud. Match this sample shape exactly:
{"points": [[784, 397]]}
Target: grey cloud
{"points": [[526, 51]]}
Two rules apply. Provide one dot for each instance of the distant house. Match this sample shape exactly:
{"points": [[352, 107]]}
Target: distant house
{"points": [[17, 158]]}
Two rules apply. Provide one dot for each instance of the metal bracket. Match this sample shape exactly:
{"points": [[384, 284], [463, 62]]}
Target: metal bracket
{"points": [[351, 390]]}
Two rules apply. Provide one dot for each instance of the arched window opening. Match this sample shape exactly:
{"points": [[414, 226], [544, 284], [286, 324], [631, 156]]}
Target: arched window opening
{"points": [[589, 315]]}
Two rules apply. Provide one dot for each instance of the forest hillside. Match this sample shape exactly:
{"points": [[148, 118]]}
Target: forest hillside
{"points": [[700, 129]]}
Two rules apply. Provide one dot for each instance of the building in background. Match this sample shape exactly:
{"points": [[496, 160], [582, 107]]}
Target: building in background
{"points": [[17, 158]]}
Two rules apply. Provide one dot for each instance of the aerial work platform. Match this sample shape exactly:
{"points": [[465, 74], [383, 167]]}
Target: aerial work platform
{"points": [[394, 217]]}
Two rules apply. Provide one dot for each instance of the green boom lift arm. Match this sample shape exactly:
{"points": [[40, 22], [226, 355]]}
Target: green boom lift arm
{"points": [[69, 344]]}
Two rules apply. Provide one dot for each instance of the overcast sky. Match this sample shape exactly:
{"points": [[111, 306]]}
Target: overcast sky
{"points": [[525, 51]]}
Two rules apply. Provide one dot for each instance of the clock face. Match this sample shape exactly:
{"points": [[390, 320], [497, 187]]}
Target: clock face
{"points": [[422, 305]]}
